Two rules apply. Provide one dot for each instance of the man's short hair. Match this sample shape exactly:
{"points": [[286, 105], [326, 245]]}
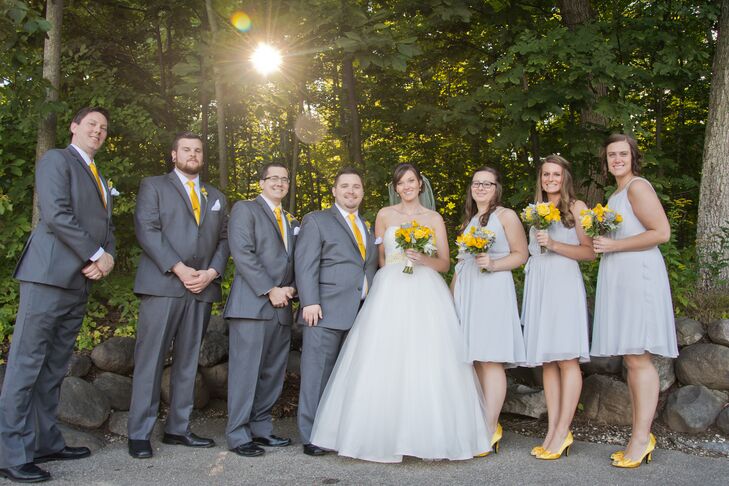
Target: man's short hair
{"points": [[182, 135], [263, 171], [348, 170]]}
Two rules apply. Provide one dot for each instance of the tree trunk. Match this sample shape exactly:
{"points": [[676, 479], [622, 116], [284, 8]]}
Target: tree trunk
{"points": [[714, 195], [574, 14], [219, 104], [355, 131], [52, 73], [204, 116]]}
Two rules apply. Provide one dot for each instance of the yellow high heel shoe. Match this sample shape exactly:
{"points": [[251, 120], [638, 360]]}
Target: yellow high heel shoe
{"points": [[617, 455], [565, 447], [536, 450], [495, 440], [647, 456]]}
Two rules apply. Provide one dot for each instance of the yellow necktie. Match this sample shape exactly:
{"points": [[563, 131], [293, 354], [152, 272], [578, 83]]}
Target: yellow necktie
{"points": [[279, 220], [195, 201], [357, 235], [92, 166]]}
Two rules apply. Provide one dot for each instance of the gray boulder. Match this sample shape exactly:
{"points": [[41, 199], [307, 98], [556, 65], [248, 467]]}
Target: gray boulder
{"points": [[82, 404], [202, 395], [608, 365], [79, 365], [664, 367], [704, 364], [691, 409], [524, 400], [606, 399], [722, 420], [216, 379], [117, 388], [115, 355], [79, 438], [217, 324], [719, 331], [688, 331], [214, 349]]}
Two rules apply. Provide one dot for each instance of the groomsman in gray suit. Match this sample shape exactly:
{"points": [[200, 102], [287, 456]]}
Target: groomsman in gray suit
{"points": [[336, 261], [180, 224], [72, 245], [258, 311]]}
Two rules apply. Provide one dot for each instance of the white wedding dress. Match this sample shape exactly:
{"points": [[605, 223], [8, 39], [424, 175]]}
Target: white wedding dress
{"points": [[400, 387]]}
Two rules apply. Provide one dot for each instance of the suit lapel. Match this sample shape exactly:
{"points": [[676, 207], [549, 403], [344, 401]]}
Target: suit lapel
{"points": [[272, 218], [203, 203], [369, 239], [87, 169], [177, 183], [289, 230], [345, 224]]}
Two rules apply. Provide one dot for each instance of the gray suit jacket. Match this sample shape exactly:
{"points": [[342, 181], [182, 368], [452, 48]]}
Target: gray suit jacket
{"points": [[261, 261], [167, 232], [330, 269], [73, 222]]}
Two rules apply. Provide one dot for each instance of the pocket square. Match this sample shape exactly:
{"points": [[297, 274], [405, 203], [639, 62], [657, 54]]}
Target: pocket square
{"points": [[378, 240], [216, 206], [296, 230]]}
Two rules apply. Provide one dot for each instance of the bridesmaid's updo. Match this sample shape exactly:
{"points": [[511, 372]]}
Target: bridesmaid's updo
{"points": [[636, 157], [566, 193], [470, 209], [400, 171]]}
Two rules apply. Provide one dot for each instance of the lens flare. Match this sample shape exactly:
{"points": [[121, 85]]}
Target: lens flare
{"points": [[241, 21], [266, 58]]}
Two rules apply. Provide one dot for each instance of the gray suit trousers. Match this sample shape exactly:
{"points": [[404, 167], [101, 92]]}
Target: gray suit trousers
{"points": [[259, 351], [46, 327], [318, 355], [163, 320]]}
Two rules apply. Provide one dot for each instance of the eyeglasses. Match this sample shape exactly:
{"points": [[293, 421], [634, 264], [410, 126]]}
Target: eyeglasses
{"points": [[277, 179], [484, 185]]}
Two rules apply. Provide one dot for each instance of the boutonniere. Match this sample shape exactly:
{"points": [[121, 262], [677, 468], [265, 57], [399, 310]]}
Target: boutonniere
{"points": [[204, 192], [369, 226], [290, 217], [112, 189]]}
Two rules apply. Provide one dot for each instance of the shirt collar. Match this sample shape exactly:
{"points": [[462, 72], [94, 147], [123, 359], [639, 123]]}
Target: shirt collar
{"points": [[345, 214], [271, 204], [83, 154], [184, 179]]}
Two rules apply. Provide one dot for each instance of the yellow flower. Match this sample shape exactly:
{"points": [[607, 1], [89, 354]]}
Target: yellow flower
{"points": [[618, 219], [420, 233], [204, 192], [586, 221], [543, 210]]}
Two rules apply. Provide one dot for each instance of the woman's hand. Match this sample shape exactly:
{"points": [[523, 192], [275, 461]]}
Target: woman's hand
{"points": [[483, 260], [603, 244], [544, 239], [415, 256]]}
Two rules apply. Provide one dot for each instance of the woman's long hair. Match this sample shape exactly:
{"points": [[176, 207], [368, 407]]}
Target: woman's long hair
{"points": [[470, 208], [566, 193]]}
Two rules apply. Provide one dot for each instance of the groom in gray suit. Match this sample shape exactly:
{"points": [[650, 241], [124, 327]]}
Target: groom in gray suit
{"points": [[180, 224], [72, 245], [261, 236], [336, 261]]}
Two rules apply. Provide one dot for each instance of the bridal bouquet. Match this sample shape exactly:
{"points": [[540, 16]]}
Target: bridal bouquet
{"points": [[413, 236], [541, 216], [476, 241], [599, 220]]}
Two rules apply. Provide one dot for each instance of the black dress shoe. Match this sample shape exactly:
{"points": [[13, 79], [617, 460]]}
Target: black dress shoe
{"points": [[189, 440], [312, 450], [249, 449], [65, 454], [140, 449], [27, 473], [272, 441]]}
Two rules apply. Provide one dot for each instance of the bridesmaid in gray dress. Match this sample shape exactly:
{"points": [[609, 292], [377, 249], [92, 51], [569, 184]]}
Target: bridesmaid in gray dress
{"points": [[554, 310], [486, 302], [633, 308]]}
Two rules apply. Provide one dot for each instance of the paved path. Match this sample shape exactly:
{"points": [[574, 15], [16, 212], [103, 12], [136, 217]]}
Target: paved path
{"points": [[176, 465]]}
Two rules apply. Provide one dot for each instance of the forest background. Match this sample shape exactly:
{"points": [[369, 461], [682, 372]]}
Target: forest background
{"points": [[449, 85]]}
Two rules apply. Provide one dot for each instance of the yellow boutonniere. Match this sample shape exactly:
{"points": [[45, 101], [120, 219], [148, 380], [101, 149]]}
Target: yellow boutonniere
{"points": [[289, 217], [112, 189], [204, 192], [369, 226]]}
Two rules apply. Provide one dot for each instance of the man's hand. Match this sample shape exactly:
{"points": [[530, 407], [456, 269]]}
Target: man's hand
{"points": [[312, 314], [184, 273], [92, 271], [290, 292], [105, 263], [201, 281], [278, 296]]}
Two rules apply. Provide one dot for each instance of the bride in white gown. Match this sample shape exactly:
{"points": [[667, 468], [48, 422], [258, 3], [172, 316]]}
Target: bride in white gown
{"points": [[399, 388]]}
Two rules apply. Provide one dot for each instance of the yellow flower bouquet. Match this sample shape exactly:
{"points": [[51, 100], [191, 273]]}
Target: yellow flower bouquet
{"points": [[541, 216], [476, 241], [413, 236], [599, 220]]}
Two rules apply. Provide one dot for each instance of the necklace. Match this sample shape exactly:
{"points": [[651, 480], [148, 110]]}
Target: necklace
{"points": [[421, 211]]}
